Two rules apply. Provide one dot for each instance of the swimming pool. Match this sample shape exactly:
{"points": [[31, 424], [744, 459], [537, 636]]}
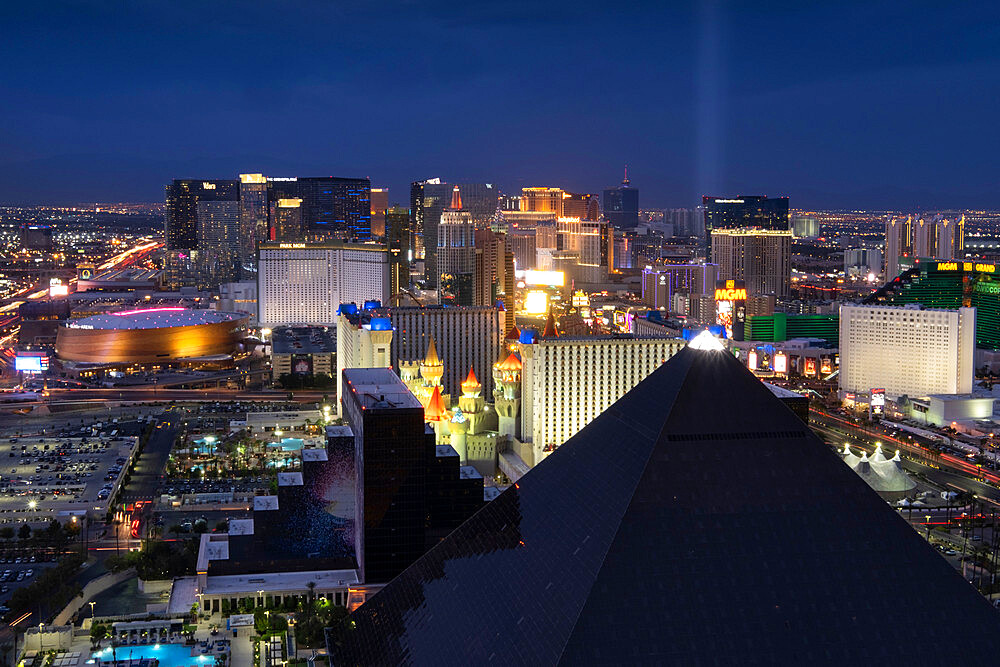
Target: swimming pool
{"points": [[169, 655]]}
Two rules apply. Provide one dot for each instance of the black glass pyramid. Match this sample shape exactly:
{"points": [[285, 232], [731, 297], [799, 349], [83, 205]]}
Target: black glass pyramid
{"points": [[695, 522]]}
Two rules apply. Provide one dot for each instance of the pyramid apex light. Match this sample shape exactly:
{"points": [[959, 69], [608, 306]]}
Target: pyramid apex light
{"points": [[706, 341]]}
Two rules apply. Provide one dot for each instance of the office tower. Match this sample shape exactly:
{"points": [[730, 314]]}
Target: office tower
{"points": [[288, 224], [862, 262], [660, 282], [762, 258], [254, 225], [332, 207], [392, 451], [397, 239], [181, 217], [428, 200], [363, 341], [568, 381], [593, 242], [744, 212], [804, 227], [465, 337], [522, 244], [907, 350], [456, 254], [467, 598], [218, 241], [379, 204], [898, 243], [621, 205], [304, 283]]}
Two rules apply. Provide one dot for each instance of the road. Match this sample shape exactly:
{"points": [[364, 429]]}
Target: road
{"points": [[152, 394], [146, 476]]}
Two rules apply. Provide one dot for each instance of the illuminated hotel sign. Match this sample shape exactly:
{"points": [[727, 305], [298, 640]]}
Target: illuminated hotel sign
{"points": [[291, 246], [207, 186], [728, 201], [967, 266], [731, 307]]}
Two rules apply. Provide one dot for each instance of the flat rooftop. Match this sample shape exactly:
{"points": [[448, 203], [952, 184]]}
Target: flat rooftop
{"points": [[303, 340], [276, 582], [154, 318], [380, 388]]}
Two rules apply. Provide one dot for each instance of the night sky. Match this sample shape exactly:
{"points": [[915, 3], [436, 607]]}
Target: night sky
{"points": [[837, 105]]}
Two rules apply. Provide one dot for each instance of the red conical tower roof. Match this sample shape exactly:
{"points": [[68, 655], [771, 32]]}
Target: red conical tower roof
{"points": [[435, 412], [550, 327], [513, 334], [471, 381], [456, 199], [511, 363]]}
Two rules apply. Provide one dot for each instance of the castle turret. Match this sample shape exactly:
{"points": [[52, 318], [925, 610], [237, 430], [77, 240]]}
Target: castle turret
{"points": [[509, 402], [431, 368], [471, 403], [458, 425]]}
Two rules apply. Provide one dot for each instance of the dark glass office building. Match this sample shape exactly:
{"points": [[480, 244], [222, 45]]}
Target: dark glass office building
{"points": [[697, 521], [331, 207], [428, 199], [621, 205], [743, 212], [182, 197]]}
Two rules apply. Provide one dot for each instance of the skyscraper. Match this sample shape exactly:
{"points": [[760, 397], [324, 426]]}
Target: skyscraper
{"points": [[935, 237], [428, 199], [332, 207], [182, 197], [660, 282], [254, 211], [621, 205], [379, 203], [456, 254], [744, 212], [762, 258], [287, 216], [218, 241], [494, 279], [898, 243], [398, 239]]}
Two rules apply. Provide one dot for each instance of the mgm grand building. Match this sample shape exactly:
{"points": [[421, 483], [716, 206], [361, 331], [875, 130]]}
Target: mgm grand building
{"points": [[149, 340]]}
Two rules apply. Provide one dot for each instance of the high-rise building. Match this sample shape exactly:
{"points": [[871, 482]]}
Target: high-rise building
{"points": [[428, 200], [937, 237], [593, 242], [522, 244], [456, 254], [218, 241], [398, 239], [703, 444], [862, 262], [254, 212], [568, 381], [379, 204], [898, 243], [804, 227], [660, 282], [288, 224], [621, 205], [304, 283], [543, 200], [762, 258], [907, 350], [744, 212], [182, 197], [392, 451], [332, 207], [363, 341]]}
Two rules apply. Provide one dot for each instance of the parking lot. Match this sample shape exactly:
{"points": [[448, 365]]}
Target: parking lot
{"points": [[18, 571], [45, 478]]}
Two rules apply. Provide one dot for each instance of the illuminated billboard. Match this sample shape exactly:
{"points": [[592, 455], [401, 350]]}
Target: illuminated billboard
{"points": [[548, 278], [781, 363], [810, 367], [56, 288], [731, 307], [31, 363], [877, 402]]}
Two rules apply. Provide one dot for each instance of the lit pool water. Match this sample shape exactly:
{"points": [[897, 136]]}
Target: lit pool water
{"points": [[169, 655]]}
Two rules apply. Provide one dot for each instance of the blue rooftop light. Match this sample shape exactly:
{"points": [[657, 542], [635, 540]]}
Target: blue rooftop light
{"points": [[347, 309], [380, 324], [528, 336], [372, 304]]}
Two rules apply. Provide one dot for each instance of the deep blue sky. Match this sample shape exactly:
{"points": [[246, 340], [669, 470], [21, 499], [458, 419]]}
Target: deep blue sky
{"points": [[843, 104]]}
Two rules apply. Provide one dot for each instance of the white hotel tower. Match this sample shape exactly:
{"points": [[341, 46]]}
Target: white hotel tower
{"points": [[907, 350]]}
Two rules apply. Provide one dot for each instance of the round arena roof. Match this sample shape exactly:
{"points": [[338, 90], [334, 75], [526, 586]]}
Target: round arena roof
{"points": [[153, 318]]}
